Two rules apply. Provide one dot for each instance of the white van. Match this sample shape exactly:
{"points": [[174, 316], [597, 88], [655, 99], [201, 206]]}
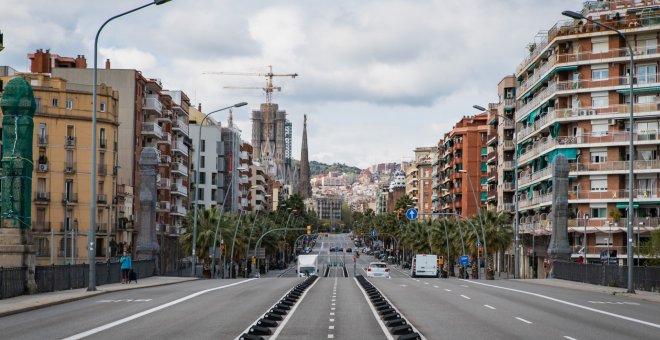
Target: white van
{"points": [[424, 265]]}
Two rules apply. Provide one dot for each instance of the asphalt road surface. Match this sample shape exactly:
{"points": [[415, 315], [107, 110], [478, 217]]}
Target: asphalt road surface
{"points": [[335, 307]]}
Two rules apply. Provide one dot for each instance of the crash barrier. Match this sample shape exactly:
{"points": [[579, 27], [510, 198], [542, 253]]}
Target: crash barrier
{"points": [[277, 312], [392, 318], [345, 271]]}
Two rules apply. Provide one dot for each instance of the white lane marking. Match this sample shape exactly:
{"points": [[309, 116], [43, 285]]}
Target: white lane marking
{"points": [[331, 327], [449, 290], [623, 317], [491, 307], [373, 310], [612, 302], [465, 297], [330, 336], [333, 308], [332, 320], [426, 283], [149, 311], [288, 316], [465, 286], [403, 285], [436, 287], [569, 338], [332, 314], [523, 320], [332, 304]]}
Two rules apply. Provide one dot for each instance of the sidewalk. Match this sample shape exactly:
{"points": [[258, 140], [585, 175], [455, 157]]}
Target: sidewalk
{"points": [[639, 294], [25, 303]]}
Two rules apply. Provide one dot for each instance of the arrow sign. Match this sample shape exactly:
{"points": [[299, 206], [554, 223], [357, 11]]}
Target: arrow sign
{"points": [[373, 233], [478, 244], [411, 214]]}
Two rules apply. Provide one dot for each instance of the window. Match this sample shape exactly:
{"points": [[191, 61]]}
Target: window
{"points": [[603, 239], [102, 107], [647, 45], [38, 106], [54, 102], [214, 193], [69, 104], [202, 161], [647, 127], [598, 183], [646, 99], [203, 145], [599, 45], [200, 194], [646, 74], [214, 178], [648, 155], [599, 74], [598, 212], [202, 177], [598, 156], [599, 99], [484, 166], [42, 132], [598, 128], [41, 243]]}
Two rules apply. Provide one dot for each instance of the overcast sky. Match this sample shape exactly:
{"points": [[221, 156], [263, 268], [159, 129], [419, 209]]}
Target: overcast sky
{"points": [[376, 78]]}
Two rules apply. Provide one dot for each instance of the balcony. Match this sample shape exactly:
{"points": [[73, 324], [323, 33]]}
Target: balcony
{"points": [[165, 160], [167, 138], [621, 195], [611, 166], [40, 226], [163, 206], [152, 129], [69, 141], [69, 198], [152, 106], [508, 165], [42, 140], [102, 227], [243, 180], [179, 168], [180, 126], [526, 177], [180, 148], [179, 210], [102, 170], [69, 168], [103, 143], [41, 197], [509, 145], [102, 198], [536, 200], [164, 184], [507, 186], [509, 103], [178, 189], [166, 116]]}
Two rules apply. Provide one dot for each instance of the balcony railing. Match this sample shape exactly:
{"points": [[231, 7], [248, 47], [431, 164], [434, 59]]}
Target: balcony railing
{"points": [[535, 200], [180, 126], [42, 140], [181, 148], [42, 166], [42, 196], [166, 139], [614, 194], [180, 168], [102, 198], [152, 129], [41, 226], [69, 197], [69, 168], [163, 206], [102, 169], [151, 105], [616, 165], [165, 160], [164, 183], [177, 209], [179, 189], [69, 141]]}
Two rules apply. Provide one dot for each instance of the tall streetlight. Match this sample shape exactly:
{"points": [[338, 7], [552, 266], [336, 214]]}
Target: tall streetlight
{"points": [[91, 234], [285, 228], [199, 142], [233, 242], [481, 222], [631, 149]]}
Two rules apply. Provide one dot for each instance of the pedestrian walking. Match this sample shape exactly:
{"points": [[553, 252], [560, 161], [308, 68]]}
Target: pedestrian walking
{"points": [[126, 266]]}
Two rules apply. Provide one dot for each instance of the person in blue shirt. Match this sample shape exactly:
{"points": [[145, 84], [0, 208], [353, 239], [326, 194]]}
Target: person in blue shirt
{"points": [[126, 266]]}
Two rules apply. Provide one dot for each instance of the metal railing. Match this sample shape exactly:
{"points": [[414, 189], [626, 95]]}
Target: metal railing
{"points": [[645, 278]]}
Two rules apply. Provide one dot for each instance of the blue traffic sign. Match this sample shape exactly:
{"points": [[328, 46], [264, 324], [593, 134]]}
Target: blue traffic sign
{"points": [[411, 214], [464, 260], [478, 244], [373, 233]]}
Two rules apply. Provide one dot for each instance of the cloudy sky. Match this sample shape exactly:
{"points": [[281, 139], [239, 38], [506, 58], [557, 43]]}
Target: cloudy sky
{"points": [[376, 78]]}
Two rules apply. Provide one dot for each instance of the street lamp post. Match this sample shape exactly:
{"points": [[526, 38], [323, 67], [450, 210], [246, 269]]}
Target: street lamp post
{"points": [[586, 268], [91, 234], [481, 222], [233, 242], [285, 228], [631, 148], [199, 142]]}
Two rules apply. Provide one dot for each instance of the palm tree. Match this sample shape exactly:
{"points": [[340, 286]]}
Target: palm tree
{"points": [[206, 225]]}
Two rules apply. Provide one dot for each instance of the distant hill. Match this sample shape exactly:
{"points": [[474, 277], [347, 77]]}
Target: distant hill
{"points": [[317, 168]]}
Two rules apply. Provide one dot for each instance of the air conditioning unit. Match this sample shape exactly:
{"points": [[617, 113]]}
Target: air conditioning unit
{"points": [[591, 112], [43, 167], [582, 112], [611, 122]]}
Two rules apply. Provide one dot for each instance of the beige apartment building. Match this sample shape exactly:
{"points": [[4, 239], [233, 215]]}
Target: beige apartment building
{"points": [[62, 168]]}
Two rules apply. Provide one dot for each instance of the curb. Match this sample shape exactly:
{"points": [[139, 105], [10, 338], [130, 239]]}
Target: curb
{"points": [[76, 298]]}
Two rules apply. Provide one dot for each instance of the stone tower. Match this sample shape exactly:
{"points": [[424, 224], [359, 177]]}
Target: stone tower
{"points": [[268, 139], [559, 249], [305, 187]]}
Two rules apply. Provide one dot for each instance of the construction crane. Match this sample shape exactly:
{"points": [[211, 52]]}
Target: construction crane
{"points": [[269, 89]]}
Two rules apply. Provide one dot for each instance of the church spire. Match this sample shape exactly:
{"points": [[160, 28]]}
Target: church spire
{"points": [[305, 186]]}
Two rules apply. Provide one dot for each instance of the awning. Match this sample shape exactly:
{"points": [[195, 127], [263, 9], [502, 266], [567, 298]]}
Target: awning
{"points": [[640, 90], [532, 115], [493, 122], [570, 153], [643, 9], [625, 205]]}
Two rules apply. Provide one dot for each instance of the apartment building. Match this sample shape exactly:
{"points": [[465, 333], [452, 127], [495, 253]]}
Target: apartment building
{"points": [[572, 98], [419, 182], [210, 189], [62, 168], [461, 168]]}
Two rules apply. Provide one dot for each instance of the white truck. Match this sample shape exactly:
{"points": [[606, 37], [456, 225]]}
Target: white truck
{"points": [[424, 265], [308, 265]]}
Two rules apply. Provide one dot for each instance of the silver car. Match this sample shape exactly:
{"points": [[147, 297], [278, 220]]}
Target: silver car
{"points": [[378, 269]]}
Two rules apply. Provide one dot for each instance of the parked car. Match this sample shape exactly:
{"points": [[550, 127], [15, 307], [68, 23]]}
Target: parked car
{"points": [[349, 250]]}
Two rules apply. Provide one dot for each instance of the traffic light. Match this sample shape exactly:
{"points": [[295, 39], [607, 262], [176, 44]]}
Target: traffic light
{"points": [[441, 260], [222, 248], [399, 214], [254, 260], [309, 229]]}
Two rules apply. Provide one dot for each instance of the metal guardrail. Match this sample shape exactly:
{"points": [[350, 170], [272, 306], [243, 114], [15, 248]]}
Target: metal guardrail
{"points": [[645, 278], [61, 277]]}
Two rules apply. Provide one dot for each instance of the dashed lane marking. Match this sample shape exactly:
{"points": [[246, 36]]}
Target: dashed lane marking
{"points": [[465, 286], [330, 336], [331, 327], [436, 287], [465, 297], [523, 320], [290, 314], [615, 303], [569, 338], [448, 290], [491, 307], [623, 317]]}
